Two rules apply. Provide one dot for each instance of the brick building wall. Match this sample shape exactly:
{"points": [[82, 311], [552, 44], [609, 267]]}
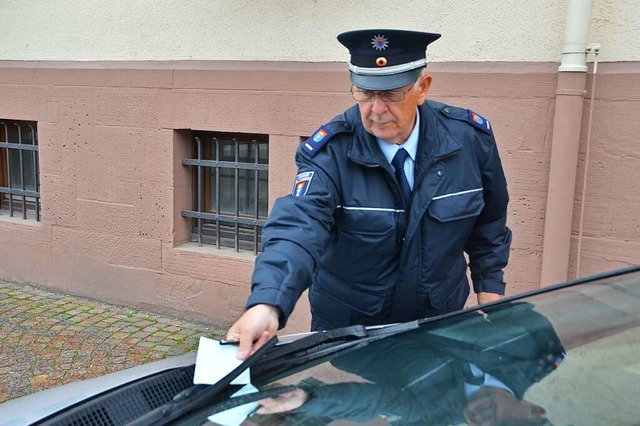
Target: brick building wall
{"points": [[112, 140]]}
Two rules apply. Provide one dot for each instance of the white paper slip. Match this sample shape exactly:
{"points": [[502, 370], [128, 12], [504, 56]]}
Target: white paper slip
{"points": [[214, 361], [235, 416]]}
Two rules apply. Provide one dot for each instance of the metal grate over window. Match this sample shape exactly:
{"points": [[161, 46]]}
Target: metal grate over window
{"points": [[19, 177], [230, 181]]}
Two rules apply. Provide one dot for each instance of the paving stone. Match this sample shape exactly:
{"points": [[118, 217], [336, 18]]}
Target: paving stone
{"points": [[49, 339]]}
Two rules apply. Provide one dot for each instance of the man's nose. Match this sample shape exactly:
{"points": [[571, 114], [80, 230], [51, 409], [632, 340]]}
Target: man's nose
{"points": [[378, 105]]}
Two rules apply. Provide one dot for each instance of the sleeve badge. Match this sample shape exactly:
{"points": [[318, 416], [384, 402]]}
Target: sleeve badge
{"points": [[301, 186]]}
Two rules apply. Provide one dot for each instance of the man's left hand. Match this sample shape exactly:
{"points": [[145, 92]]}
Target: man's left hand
{"points": [[484, 297]]}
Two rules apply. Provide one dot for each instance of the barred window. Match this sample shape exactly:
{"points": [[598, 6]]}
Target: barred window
{"points": [[19, 177], [230, 181]]}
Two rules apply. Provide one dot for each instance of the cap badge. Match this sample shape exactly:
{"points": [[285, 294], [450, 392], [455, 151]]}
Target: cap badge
{"points": [[379, 42], [381, 61]]}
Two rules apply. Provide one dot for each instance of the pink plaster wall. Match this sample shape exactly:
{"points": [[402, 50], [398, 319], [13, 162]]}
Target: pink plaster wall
{"points": [[611, 224], [113, 185]]}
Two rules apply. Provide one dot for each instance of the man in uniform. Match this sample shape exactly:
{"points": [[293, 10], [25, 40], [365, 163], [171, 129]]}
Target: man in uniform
{"points": [[389, 196]]}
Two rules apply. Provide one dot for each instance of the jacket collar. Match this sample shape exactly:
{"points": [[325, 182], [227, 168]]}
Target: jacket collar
{"points": [[435, 139]]}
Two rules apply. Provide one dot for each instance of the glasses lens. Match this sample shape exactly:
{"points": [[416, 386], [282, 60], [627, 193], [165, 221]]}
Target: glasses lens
{"points": [[362, 95], [392, 96], [385, 95]]}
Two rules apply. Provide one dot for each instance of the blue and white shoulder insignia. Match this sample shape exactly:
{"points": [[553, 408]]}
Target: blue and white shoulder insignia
{"points": [[480, 122], [314, 144]]}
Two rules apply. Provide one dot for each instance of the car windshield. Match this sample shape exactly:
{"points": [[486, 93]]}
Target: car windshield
{"points": [[566, 355]]}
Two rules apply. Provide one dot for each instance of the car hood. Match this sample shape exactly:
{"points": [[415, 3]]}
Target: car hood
{"points": [[35, 407]]}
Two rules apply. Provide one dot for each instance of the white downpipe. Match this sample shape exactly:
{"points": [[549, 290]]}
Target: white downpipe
{"points": [[576, 36]]}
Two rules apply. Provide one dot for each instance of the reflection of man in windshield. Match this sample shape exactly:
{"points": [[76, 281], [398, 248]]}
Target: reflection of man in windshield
{"points": [[496, 406], [475, 370]]}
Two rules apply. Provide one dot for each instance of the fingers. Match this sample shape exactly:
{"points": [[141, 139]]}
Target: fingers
{"points": [[268, 406], [283, 403], [253, 329], [264, 338], [247, 345]]}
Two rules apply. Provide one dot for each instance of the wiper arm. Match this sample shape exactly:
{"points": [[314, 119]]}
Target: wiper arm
{"points": [[315, 340], [268, 362], [315, 348], [198, 394]]}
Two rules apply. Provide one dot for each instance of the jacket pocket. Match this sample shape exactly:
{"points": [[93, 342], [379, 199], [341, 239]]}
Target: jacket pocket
{"points": [[338, 305], [365, 245], [457, 206]]}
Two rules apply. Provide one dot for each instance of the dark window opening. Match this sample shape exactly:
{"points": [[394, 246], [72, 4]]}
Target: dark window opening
{"points": [[230, 181], [19, 176]]}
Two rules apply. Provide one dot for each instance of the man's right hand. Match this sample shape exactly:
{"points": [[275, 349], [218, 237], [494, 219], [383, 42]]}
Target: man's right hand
{"points": [[254, 328]]}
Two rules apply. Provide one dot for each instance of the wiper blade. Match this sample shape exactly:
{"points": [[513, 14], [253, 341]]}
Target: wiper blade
{"points": [[315, 340], [200, 394], [269, 361], [315, 348]]}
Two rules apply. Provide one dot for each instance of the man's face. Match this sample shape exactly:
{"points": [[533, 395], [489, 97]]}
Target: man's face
{"points": [[394, 121], [492, 406]]}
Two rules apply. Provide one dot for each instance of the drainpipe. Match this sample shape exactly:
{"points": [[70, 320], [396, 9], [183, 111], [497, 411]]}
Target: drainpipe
{"points": [[567, 124]]}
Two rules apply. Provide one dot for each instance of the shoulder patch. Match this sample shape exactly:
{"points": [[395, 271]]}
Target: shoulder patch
{"points": [[301, 186], [473, 118], [315, 143], [480, 122]]}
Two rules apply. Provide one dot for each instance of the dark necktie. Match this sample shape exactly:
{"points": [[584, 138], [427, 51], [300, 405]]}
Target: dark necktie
{"points": [[469, 377], [398, 165]]}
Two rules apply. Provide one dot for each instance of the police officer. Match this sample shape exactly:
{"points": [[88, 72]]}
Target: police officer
{"points": [[388, 197]]}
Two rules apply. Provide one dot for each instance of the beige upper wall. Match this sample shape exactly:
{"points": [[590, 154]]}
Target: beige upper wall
{"points": [[302, 30]]}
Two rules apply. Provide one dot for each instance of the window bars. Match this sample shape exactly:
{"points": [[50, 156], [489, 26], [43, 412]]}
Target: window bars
{"points": [[19, 176], [230, 182]]}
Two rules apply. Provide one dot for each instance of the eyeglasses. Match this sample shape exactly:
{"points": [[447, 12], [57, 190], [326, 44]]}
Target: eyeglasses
{"points": [[385, 95]]}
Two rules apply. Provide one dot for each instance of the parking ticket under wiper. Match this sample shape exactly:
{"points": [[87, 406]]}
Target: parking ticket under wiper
{"points": [[200, 394]]}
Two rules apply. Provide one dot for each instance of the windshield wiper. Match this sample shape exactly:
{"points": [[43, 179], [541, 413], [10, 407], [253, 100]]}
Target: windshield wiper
{"points": [[308, 351], [199, 394], [289, 358], [268, 363]]}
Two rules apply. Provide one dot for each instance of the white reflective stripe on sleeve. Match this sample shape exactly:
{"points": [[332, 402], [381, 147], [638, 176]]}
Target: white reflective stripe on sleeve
{"points": [[456, 193], [371, 209]]}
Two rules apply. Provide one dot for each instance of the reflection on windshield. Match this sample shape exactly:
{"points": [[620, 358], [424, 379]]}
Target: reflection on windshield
{"points": [[475, 371], [504, 366]]}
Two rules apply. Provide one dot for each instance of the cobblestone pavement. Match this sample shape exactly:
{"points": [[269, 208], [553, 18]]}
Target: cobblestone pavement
{"points": [[49, 339]]}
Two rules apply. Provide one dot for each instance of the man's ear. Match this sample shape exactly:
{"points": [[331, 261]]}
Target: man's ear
{"points": [[423, 84], [533, 409]]}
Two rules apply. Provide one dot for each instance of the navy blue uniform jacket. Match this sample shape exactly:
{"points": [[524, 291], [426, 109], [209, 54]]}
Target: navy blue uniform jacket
{"points": [[367, 258]]}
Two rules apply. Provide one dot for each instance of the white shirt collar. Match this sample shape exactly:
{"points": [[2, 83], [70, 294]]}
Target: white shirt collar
{"points": [[489, 380], [411, 144]]}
